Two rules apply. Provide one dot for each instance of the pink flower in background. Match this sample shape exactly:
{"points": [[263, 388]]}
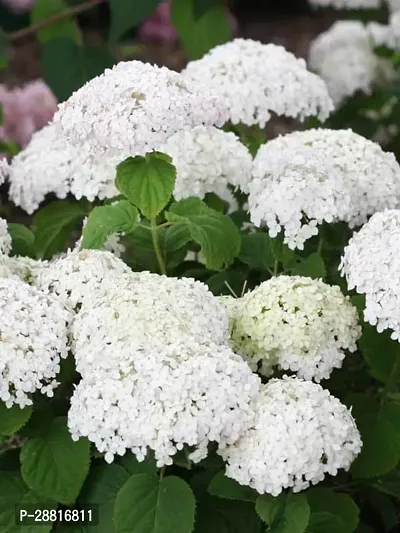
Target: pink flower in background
{"points": [[26, 110], [18, 6], [159, 27]]}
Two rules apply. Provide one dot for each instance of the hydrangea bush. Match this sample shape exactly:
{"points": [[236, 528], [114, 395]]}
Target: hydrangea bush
{"points": [[199, 327]]}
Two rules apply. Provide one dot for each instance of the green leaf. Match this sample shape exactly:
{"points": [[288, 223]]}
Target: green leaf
{"points": [[389, 483], [64, 28], [147, 182], [199, 35], [312, 266], [288, 513], [126, 15], [227, 488], [373, 345], [101, 488], [147, 505], [200, 7], [133, 466], [106, 220], [13, 418], [331, 512], [53, 225], [67, 66], [215, 515], [256, 251], [55, 466], [218, 283], [23, 240], [380, 436], [176, 237], [281, 251], [3, 50], [217, 235], [13, 496], [384, 506]]}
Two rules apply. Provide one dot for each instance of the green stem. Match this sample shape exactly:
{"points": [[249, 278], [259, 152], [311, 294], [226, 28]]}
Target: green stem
{"points": [[276, 267], [156, 244], [162, 472], [320, 245]]}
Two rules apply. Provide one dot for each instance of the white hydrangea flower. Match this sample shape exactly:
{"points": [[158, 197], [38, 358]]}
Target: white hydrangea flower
{"points": [[293, 188], [163, 398], [50, 164], [295, 323], [145, 308], [77, 275], [347, 4], [258, 80], [4, 170], [393, 5], [394, 29], [134, 107], [344, 58], [381, 34], [371, 265], [301, 433], [24, 268], [33, 338], [303, 178], [207, 160], [5, 237]]}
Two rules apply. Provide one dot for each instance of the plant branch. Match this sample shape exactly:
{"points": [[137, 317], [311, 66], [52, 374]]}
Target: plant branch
{"points": [[69, 12], [156, 245]]}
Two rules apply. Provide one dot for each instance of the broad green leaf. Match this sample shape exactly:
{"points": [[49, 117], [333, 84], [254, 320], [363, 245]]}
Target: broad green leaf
{"points": [[384, 506], [147, 182], [3, 50], [256, 251], [288, 513], [126, 15], [312, 266], [281, 251], [101, 488], [389, 483], [223, 283], [23, 240], [343, 513], [54, 224], [199, 35], [227, 488], [200, 7], [106, 220], [216, 203], [217, 235], [13, 418], [55, 466], [14, 494], [176, 237], [380, 436], [133, 466], [67, 66], [215, 515], [373, 345], [147, 505], [66, 27]]}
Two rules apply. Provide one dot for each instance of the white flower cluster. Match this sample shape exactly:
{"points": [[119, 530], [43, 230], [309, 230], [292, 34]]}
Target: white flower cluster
{"points": [[207, 160], [257, 80], [145, 308], [301, 433], [23, 268], [78, 275], [5, 237], [344, 57], [134, 107], [163, 398], [304, 178], [347, 4], [295, 323], [371, 265], [33, 338], [393, 39]]}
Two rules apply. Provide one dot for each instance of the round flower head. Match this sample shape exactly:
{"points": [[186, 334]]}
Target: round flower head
{"points": [[371, 265], [79, 274], [300, 434], [33, 338], [134, 107], [295, 323], [163, 399], [317, 175], [23, 268], [50, 164], [258, 80], [145, 308], [207, 160], [5, 237], [4, 169], [347, 4], [393, 5], [293, 188], [344, 58]]}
